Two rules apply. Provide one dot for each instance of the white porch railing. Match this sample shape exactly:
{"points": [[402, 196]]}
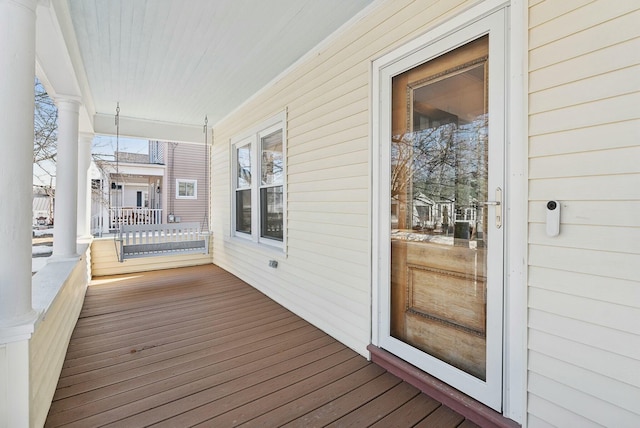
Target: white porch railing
{"points": [[97, 222], [120, 216]]}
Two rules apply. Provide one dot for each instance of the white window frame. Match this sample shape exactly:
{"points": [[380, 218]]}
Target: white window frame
{"points": [[252, 138], [251, 143], [186, 181]]}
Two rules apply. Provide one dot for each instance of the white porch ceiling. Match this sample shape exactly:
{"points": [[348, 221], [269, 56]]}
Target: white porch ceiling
{"points": [[176, 61]]}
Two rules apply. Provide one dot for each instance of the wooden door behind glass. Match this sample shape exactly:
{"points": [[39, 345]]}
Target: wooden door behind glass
{"points": [[439, 233]]}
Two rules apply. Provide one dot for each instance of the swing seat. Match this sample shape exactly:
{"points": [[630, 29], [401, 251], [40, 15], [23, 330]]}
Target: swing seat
{"points": [[150, 240]]}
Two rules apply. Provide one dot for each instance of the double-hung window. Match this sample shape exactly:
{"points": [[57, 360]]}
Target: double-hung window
{"points": [[259, 183], [243, 191]]}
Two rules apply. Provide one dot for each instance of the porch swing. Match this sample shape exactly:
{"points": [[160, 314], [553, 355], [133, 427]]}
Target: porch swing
{"points": [[151, 240]]}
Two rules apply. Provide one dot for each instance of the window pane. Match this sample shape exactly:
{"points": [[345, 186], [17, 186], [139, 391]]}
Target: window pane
{"points": [[186, 188], [189, 189], [272, 171], [243, 156], [439, 173], [243, 211], [271, 210]]}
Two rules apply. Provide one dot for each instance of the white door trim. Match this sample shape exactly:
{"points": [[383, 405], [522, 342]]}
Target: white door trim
{"points": [[515, 361]]}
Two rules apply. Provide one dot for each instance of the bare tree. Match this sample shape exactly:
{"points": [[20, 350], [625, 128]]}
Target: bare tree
{"points": [[45, 137]]}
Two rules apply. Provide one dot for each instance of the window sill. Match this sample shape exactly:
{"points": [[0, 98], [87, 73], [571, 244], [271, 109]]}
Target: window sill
{"points": [[249, 242]]}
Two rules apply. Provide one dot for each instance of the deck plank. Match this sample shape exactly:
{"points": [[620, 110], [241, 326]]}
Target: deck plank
{"points": [[410, 413], [177, 331], [190, 346], [378, 408], [216, 399], [170, 333], [442, 417], [315, 390], [114, 373], [343, 404], [468, 424], [131, 390]]}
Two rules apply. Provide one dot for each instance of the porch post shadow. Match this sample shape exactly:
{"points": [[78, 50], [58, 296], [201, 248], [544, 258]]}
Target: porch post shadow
{"points": [[84, 185]]}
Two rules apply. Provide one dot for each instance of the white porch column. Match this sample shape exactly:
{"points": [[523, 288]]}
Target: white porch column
{"points": [[17, 68], [84, 185], [17, 71], [66, 202]]}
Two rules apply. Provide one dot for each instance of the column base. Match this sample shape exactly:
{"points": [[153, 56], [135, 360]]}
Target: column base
{"points": [[66, 258], [18, 328]]}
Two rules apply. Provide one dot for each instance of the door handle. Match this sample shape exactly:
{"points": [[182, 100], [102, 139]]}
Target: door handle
{"points": [[498, 204]]}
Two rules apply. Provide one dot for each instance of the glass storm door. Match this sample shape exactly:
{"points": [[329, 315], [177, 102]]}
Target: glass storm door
{"points": [[445, 167]]}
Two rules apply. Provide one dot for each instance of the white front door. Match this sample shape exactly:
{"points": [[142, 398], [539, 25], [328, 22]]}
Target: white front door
{"points": [[440, 241]]}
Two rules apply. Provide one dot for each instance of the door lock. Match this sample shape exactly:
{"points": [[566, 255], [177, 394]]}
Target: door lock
{"points": [[498, 204]]}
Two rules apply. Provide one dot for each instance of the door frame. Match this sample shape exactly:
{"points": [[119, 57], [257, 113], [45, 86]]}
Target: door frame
{"points": [[514, 332]]}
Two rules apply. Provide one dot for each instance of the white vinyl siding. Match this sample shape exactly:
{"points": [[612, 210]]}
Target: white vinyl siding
{"points": [[105, 260], [584, 285], [325, 275], [49, 342]]}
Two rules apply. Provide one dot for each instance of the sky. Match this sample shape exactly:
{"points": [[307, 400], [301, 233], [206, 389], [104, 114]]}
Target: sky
{"points": [[106, 145]]}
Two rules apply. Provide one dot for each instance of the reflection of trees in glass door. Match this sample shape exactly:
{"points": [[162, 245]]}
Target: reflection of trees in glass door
{"points": [[439, 167], [441, 140]]}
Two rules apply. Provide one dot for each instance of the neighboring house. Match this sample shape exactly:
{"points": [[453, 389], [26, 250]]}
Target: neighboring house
{"points": [[187, 183], [154, 188], [130, 189], [42, 206]]}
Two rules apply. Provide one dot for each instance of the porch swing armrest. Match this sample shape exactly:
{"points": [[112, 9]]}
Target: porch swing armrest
{"points": [[119, 247]]}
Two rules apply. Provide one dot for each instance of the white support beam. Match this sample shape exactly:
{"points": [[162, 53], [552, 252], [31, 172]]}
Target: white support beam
{"points": [[147, 129]]}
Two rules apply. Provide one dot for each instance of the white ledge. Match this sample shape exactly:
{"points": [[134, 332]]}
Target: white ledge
{"points": [[48, 281], [45, 287]]}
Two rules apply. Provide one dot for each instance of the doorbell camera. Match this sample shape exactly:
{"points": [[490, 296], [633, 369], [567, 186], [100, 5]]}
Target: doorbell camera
{"points": [[553, 218]]}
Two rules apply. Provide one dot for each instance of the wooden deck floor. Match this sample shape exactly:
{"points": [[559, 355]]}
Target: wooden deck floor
{"points": [[198, 347]]}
